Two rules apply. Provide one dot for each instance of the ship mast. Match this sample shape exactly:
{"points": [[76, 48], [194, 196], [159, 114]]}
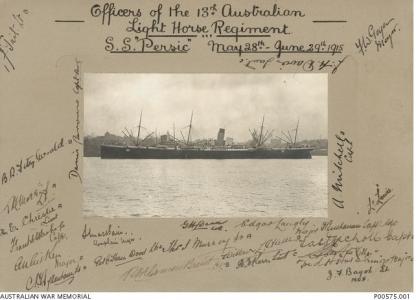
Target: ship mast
{"points": [[190, 127], [261, 132], [140, 126], [296, 133], [174, 137], [156, 135]]}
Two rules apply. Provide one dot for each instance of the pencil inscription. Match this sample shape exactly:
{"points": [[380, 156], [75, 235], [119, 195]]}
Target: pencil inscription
{"points": [[10, 37], [381, 197], [378, 36], [343, 155], [76, 139]]}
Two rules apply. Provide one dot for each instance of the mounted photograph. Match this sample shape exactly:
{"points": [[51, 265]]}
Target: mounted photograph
{"points": [[205, 145]]}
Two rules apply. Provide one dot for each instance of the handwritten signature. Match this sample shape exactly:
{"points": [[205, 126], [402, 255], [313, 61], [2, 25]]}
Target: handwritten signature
{"points": [[303, 65], [8, 40], [344, 153], [379, 199], [378, 36], [203, 225], [40, 195], [77, 88], [44, 279], [30, 162]]}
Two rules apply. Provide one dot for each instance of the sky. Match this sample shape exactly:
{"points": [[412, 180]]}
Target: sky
{"points": [[234, 101]]}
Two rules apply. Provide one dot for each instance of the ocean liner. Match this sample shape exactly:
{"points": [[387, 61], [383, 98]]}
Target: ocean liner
{"points": [[185, 149]]}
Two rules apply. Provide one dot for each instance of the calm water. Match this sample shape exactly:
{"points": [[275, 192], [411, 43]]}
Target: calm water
{"points": [[205, 188]]}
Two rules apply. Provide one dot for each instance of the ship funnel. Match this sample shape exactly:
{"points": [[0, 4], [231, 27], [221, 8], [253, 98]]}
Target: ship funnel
{"points": [[220, 137]]}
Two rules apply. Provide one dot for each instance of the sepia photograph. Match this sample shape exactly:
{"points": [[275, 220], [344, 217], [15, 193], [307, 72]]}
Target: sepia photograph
{"points": [[205, 145], [225, 148]]}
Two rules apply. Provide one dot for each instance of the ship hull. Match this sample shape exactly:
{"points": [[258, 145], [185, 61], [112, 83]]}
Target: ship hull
{"points": [[121, 152]]}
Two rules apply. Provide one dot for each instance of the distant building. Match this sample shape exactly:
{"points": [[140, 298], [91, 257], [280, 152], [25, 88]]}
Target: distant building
{"points": [[220, 137]]}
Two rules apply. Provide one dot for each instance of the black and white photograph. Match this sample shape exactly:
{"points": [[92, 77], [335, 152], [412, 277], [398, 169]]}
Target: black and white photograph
{"points": [[205, 145]]}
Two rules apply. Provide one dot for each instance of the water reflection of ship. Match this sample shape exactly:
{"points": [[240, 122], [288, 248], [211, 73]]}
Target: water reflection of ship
{"points": [[170, 147]]}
